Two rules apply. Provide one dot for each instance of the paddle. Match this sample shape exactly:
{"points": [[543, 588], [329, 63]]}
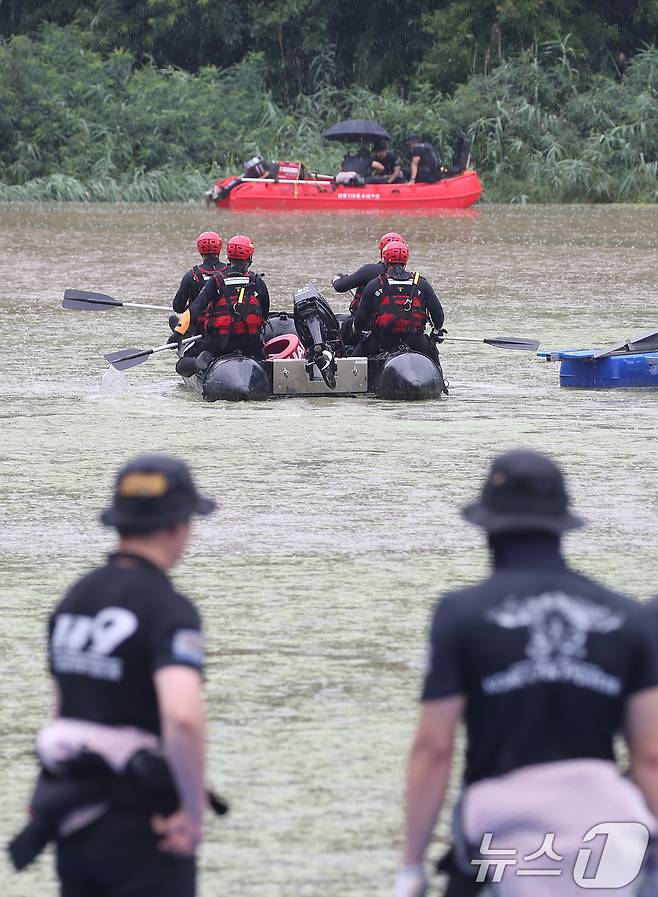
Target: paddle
{"points": [[499, 342], [129, 358], [645, 342], [83, 300]]}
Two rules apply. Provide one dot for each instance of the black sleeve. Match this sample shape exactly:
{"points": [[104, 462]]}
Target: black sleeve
{"points": [[51, 626], [359, 279], [182, 297], [366, 309], [645, 668], [444, 676], [263, 296], [207, 294], [434, 307], [176, 636]]}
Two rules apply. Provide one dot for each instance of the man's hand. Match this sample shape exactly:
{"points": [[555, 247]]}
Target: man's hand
{"points": [[180, 833], [411, 882], [438, 334]]}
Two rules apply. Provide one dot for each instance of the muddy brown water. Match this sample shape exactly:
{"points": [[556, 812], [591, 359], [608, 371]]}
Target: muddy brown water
{"points": [[339, 521]]}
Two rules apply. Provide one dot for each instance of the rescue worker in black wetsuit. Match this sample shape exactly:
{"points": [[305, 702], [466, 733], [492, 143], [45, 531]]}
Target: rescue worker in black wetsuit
{"points": [[546, 668], [234, 306], [343, 283], [126, 656], [396, 306], [425, 162], [209, 245]]}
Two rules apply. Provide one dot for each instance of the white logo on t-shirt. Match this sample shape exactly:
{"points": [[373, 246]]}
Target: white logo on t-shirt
{"points": [[558, 626], [82, 645]]}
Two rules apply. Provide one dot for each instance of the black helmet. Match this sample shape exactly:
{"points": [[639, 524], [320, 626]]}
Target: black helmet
{"points": [[153, 492], [523, 491]]}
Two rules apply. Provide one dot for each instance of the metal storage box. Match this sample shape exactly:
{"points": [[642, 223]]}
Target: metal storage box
{"points": [[290, 378]]}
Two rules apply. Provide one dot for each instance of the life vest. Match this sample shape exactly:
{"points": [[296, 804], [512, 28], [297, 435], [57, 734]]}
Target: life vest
{"points": [[236, 309], [201, 275], [400, 308]]}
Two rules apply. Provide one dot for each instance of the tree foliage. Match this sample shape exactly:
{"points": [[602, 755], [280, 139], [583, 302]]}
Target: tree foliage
{"points": [[83, 118], [373, 45]]}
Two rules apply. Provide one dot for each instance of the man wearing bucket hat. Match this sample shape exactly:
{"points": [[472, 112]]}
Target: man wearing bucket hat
{"points": [[545, 667], [126, 656]]}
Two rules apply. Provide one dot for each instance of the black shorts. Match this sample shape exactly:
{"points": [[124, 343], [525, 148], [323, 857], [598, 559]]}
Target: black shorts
{"points": [[118, 856]]}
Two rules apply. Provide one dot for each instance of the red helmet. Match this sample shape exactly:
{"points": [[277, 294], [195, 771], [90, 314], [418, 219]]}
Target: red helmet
{"points": [[240, 247], [395, 253], [387, 239], [209, 243]]}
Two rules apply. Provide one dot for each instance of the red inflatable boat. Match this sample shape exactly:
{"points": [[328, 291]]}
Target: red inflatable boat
{"points": [[458, 192]]}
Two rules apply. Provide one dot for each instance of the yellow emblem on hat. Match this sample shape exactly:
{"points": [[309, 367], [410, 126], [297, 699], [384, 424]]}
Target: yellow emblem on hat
{"points": [[143, 485]]}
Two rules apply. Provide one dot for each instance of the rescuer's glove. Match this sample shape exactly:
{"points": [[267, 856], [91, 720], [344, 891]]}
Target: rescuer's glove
{"points": [[183, 323]]}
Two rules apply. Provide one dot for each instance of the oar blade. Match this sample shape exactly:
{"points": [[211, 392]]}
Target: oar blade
{"points": [[519, 343], [87, 301], [127, 358]]}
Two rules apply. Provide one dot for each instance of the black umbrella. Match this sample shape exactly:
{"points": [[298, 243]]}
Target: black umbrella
{"points": [[357, 130]]}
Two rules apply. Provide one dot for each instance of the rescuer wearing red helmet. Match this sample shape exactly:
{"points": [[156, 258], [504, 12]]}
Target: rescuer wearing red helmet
{"points": [[233, 307], [342, 283], [209, 245], [396, 307]]}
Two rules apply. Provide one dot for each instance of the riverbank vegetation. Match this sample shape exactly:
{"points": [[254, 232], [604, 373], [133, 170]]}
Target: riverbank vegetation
{"points": [[81, 119]]}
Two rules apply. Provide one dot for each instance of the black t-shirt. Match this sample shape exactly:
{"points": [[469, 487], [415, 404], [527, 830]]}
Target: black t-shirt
{"points": [[428, 158], [546, 659], [390, 163], [114, 628]]}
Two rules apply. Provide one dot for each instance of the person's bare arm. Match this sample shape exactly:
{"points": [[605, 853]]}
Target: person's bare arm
{"points": [[415, 161], [57, 700], [377, 166], [428, 771], [183, 734], [642, 739]]}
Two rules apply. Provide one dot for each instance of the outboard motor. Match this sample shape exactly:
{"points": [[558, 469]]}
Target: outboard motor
{"points": [[319, 332], [256, 167]]}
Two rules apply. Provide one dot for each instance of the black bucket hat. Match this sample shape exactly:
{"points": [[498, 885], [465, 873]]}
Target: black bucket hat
{"points": [[523, 491], [154, 492]]}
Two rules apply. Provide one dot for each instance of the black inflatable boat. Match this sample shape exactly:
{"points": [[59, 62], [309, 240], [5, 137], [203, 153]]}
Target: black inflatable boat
{"points": [[324, 370]]}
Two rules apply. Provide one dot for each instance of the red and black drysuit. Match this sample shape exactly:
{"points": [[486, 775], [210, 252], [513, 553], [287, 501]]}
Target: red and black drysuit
{"points": [[357, 282], [194, 281], [234, 305], [396, 306]]}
